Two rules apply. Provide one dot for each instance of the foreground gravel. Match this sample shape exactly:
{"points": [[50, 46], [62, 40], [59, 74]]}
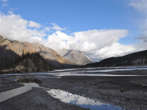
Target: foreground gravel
{"points": [[37, 99], [8, 84]]}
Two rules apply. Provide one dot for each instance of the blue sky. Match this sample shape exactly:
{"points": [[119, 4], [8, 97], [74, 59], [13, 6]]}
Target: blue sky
{"points": [[79, 15]]}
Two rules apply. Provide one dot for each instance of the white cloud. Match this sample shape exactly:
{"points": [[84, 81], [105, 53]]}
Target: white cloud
{"points": [[56, 27], [34, 24], [53, 27], [59, 40], [97, 38], [96, 43], [16, 28], [116, 49]]}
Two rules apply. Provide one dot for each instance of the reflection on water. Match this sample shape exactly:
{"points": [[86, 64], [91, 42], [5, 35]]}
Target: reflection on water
{"points": [[81, 101]]}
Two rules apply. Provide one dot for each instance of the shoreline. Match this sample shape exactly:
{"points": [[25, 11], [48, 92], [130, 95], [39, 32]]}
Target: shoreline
{"points": [[119, 91]]}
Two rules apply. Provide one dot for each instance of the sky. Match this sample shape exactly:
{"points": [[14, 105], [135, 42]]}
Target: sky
{"points": [[100, 28]]}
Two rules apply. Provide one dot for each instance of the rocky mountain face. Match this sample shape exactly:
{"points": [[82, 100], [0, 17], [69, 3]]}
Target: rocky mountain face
{"points": [[14, 53], [33, 63], [134, 59], [74, 56]]}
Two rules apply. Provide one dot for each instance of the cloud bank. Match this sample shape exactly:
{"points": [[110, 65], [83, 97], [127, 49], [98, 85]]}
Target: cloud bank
{"points": [[14, 27], [97, 44]]}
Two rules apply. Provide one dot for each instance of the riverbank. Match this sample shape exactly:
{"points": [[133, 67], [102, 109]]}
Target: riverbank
{"points": [[8, 84], [35, 99], [127, 92], [130, 93]]}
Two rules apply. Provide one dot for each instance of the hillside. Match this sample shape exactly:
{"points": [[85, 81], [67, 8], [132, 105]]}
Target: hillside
{"points": [[14, 53], [134, 59]]}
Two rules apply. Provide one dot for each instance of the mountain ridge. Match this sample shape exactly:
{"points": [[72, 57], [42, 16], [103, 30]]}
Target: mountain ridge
{"points": [[133, 59], [15, 56]]}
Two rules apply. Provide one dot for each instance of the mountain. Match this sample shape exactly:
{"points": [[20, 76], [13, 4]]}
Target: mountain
{"points": [[134, 59], [15, 53], [74, 56]]}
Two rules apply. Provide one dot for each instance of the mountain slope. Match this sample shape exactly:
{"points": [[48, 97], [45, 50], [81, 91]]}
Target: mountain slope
{"points": [[74, 56], [32, 63], [134, 59], [21, 48], [12, 52]]}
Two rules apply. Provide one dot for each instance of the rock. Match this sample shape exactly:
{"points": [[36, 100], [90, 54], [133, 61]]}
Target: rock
{"points": [[74, 56]]}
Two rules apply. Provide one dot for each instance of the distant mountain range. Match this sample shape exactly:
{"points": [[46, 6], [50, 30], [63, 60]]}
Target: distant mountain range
{"points": [[134, 59], [18, 56], [74, 56]]}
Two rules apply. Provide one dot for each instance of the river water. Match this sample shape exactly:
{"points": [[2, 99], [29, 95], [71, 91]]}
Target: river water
{"points": [[98, 71]]}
